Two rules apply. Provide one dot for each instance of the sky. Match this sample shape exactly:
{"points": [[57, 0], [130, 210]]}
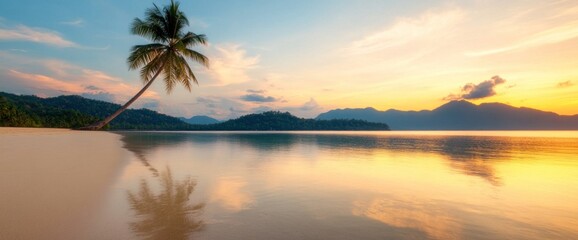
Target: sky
{"points": [[305, 57]]}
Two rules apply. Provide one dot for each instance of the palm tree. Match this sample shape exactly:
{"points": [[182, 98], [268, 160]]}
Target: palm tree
{"points": [[166, 55]]}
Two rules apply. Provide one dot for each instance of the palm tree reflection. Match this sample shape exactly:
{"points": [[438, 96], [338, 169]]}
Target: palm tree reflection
{"points": [[168, 214]]}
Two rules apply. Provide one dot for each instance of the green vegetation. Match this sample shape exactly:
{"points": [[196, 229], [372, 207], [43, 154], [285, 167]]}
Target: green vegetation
{"points": [[166, 55], [76, 111], [280, 121], [29, 111]]}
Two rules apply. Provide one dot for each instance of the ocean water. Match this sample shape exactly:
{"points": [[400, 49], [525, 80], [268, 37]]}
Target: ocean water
{"points": [[340, 185]]}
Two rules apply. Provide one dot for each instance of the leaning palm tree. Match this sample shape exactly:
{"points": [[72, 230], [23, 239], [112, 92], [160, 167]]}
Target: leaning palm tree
{"points": [[166, 56]]}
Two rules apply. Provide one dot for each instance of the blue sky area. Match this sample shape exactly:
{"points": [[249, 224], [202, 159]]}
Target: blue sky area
{"points": [[305, 57]]}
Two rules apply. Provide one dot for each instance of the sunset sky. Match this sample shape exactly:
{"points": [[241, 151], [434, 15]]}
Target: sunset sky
{"points": [[303, 56]]}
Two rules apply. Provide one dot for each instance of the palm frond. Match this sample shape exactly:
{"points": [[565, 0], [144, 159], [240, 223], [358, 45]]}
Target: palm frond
{"points": [[141, 55], [147, 29], [179, 73], [169, 73], [191, 39], [196, 56], [175, 20], [153, 67], [186, 74]]}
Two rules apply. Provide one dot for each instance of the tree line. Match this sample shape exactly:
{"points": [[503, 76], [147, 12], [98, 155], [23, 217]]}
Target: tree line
{"points": [[76, 111]]}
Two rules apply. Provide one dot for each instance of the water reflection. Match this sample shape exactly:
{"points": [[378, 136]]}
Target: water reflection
{"points": [[167, 214], [472, 156], [142, 143], [354, 186], [230, 193], [428, 217]]}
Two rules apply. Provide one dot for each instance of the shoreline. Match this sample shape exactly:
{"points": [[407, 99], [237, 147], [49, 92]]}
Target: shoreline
{"points": [[28, 130]]}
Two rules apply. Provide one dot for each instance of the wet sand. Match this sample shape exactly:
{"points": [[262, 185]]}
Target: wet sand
{"points": [[53, 180]]}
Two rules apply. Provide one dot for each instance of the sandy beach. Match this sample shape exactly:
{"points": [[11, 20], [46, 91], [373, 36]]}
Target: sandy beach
{"points": [[52, 180]]}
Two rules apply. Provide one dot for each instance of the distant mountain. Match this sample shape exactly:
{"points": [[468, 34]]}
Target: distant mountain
{"points": [[461, 115], [200, 120], [280, 121], [75, 111]]}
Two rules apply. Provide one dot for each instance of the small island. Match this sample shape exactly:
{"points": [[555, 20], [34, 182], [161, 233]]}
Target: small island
{"points": [[284, 121]]}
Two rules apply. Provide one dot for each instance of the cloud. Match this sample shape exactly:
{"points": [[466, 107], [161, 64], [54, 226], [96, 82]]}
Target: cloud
{"points": [[91, 87], [308, 109], [88, 83], [50, 77], [75, 23], [210, 103], [230, 64], [476, 91], [261, 109], [43, 36], [405, 30], [550, 22], [46, 82], [258, 98], [310, 105], [102, 95], [220, 107], [255, 91], [550, 36], [153, 104], [565, 84], [223, 107]]}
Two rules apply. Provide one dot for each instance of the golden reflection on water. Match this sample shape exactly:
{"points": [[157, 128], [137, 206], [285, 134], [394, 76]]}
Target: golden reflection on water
{"points": [[365, 185], [229, 192], [433, 220]]}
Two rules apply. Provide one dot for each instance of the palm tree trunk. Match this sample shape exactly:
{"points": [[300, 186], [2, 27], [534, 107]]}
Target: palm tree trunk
{"points": [[98, 125]]}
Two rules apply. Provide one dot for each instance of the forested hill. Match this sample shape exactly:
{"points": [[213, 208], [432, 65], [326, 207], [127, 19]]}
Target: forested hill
{"points": [[75, 111], [284, 121]]}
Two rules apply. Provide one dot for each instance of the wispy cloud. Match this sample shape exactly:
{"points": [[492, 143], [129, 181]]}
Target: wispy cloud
{"points": [[51, 77], [542, 24], [310, 105], [90, 83], [565, 84], [220, 107], [255, 91], [46, 82], [405, 30], [550, 36], [75, 23], [308, 109], [231, 63], [38, 35], [258, 96], [477, 91]]}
